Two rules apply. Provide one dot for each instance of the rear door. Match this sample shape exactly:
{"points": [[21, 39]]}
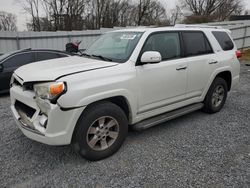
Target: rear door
{"points": [[200, 59], [11, 64]]}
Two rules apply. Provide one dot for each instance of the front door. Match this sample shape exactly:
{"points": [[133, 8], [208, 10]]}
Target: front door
{"points": [[163, 83]]}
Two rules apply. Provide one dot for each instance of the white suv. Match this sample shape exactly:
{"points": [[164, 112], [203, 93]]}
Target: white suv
{"points": [[134, 77]]}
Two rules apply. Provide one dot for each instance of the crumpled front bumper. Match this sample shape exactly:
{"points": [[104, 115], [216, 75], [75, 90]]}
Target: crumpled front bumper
{"points": [[59, 126]]}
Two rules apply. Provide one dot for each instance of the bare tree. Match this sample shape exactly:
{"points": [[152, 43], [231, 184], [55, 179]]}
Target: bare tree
{"points": [[218, 9], [111, 13], [7, 21], [56, 12], [92, 14], [151, 12], [230, 7], [175, 15], [32, 7]]}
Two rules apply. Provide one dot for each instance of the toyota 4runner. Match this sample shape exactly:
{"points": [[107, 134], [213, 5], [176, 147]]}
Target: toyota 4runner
{"points": [[134, 77]]}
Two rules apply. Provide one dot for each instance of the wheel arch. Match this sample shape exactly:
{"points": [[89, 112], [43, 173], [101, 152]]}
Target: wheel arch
{"points": [[227, 76], [119, 100], [224, 73]]}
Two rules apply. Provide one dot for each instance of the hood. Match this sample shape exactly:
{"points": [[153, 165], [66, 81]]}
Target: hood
{"points": [[56, 68]]}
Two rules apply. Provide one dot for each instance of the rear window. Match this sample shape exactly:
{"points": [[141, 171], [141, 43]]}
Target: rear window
{"points": [[196, 43], [224, 40]]}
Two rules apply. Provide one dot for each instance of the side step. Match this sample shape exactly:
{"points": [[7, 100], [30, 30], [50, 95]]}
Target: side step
{"points": [[145, 124]]}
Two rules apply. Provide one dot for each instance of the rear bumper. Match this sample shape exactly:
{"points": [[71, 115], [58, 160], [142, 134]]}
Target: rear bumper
{"points": [[60, 124]]}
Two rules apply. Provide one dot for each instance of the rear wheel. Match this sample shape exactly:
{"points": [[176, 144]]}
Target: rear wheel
{"points": [[100, 131], [216, 96]]}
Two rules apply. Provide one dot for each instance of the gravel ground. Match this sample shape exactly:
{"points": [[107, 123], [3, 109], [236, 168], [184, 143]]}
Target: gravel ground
{"points": [[196, 150]]}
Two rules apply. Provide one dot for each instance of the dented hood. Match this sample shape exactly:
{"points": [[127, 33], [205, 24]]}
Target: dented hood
{"points": [[57, 68]]}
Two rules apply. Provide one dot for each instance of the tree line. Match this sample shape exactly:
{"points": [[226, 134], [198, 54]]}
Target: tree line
{"points": [[92, 14], [67, 15]]}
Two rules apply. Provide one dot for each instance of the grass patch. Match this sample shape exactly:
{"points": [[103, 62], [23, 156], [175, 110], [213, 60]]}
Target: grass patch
{"points": [[246, 55]]}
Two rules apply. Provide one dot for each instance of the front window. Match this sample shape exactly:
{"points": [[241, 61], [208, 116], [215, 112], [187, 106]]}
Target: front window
{"points": [[114, 46], [166, 43]]}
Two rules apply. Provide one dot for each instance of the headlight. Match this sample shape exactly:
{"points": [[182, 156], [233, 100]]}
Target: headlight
{"points": [[50, 90]]}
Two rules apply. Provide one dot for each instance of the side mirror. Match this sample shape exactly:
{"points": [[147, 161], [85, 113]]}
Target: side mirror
{"points": [[151, 57], [1, 67]]}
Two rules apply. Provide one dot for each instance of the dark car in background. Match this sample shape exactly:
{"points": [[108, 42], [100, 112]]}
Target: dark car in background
{"points": [[11, 61]]}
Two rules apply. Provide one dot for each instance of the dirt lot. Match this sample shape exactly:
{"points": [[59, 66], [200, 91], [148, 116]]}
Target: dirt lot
{"points": [[196, 150]]}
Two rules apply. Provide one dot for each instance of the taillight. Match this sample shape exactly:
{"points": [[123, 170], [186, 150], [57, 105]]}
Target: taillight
{"points": [[238, 54]]}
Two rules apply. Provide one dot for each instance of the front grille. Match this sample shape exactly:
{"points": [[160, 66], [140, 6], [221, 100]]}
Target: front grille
{"points": [[29, 112]]}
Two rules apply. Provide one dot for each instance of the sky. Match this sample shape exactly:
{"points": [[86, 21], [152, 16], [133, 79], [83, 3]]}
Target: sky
{"points": [[13, 7]]}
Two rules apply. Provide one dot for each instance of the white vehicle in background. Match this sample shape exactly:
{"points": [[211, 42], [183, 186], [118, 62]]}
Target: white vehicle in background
{"points": [[134, 77]]}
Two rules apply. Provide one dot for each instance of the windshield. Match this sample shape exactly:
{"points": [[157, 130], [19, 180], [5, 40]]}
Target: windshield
{"points": [[114, 46]]}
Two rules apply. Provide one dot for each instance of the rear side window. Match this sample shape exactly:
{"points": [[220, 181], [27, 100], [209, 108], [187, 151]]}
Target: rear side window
{"points": [[48, 55], [224, 40], [195, 43], [20, 59], [167, 44]]}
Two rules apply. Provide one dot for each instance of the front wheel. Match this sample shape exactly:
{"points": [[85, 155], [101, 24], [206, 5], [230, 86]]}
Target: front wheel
{"points": [[216, 96], [100, 131]]}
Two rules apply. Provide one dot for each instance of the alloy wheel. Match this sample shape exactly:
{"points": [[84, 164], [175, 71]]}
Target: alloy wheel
{"points": [[102, 133], [218, 96]]}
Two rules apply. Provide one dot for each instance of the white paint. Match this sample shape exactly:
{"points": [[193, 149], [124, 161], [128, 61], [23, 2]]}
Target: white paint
{"points": [[149, 89]]}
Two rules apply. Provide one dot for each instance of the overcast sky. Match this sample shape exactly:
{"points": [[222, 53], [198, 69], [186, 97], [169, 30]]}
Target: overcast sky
{"points": [[22, 18]]}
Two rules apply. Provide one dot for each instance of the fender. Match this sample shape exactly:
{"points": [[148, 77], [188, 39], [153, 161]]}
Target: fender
{"points": [[87, 100]]}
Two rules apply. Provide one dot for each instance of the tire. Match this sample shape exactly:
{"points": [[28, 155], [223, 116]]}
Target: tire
{"points": [[216, 96], [100, 123]]}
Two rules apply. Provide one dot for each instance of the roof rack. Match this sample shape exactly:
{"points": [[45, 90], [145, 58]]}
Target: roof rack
{"points": [[197, 26]]}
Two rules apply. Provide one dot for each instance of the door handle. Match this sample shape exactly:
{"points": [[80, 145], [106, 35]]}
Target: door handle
{"points": [[213, 62], [181, 68]]}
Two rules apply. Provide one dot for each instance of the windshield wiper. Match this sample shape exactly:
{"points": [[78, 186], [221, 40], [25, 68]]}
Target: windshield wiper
{"points": [[102, 57], [85, 54], [98, 56]]}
